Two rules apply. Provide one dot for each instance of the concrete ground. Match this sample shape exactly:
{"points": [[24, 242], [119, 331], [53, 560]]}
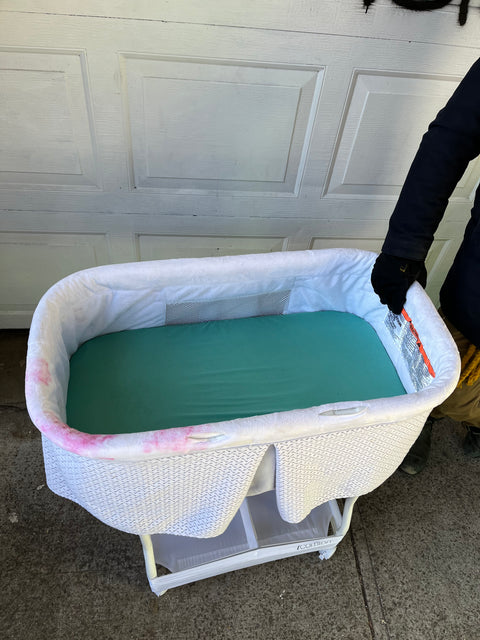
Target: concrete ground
{"points": [[408, 569]]}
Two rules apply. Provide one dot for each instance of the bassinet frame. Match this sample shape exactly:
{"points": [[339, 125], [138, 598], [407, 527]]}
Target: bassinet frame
{"points": [[192, 481]]}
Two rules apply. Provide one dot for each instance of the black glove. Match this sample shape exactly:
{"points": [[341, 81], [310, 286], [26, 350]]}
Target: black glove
{"points": [[392, 278]]}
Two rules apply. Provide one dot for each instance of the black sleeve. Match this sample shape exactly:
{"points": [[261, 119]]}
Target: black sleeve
{"points": [[452, 140]]}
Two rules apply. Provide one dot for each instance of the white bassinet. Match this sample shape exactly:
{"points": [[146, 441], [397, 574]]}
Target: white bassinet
{"points": [[209, 498]]}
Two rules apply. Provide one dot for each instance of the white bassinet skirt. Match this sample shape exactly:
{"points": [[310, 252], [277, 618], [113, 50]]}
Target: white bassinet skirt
{"points": [[191, 480]]}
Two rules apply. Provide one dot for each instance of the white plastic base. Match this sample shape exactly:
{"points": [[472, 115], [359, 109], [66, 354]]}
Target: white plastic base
{"points": [[257, 534]]}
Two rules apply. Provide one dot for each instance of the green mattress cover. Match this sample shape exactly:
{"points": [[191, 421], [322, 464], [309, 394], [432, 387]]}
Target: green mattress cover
{"points": [[181, 375]]}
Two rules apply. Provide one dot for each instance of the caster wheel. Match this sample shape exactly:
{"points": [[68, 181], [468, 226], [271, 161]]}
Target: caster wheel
{"points": [[326, 554]]}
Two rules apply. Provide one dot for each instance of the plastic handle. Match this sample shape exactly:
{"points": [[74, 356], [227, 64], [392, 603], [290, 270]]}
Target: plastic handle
{"points": [[347, 411], [206, 437]]}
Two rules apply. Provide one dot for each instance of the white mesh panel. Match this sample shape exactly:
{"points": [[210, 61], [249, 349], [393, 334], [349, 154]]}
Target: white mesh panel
{"points": [[346, 463], [193, 495], [263, 304], [198, 494]]}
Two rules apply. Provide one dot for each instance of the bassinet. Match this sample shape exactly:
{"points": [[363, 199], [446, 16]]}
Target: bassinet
{"points": [[208, 481]]}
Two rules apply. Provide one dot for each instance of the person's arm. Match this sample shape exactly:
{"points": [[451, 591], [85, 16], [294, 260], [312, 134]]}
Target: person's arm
{"points": [[452, 140]]}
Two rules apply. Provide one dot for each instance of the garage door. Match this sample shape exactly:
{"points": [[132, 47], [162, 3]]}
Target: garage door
{"points": [[151, 132]]}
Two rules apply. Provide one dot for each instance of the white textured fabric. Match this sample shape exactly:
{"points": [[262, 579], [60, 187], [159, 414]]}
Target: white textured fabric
{"points": [[178, 495], [353, 460], [191, 480]]}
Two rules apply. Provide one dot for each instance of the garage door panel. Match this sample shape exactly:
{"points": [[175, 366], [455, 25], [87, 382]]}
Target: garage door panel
{"points": [[31, 262], [46, 125], [218, 125], [157, 247], [393, 110]]}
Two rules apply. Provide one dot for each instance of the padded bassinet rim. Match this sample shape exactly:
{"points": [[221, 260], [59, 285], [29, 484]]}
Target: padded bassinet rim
{"points": [[50, 346]]}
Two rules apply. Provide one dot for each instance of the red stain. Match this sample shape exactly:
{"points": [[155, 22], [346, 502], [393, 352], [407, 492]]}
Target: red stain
{"points": [[93, 445], [70, 439], [174, 440], [38, 372]]}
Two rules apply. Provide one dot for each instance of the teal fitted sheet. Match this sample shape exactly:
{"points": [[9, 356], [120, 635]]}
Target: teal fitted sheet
{"points": [[181, 375]]}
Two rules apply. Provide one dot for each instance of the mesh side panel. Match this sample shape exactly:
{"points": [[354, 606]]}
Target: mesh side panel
{"points": [[263, 304], [313, 470], [192, 495], [198, 494]]}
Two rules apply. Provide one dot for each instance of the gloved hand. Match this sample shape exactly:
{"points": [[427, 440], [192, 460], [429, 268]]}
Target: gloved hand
{"points": [[392, 277]]}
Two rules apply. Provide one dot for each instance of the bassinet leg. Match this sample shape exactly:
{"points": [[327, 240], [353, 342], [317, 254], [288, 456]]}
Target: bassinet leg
{"points": [[149, 556], [340, 524], [346, 516]]}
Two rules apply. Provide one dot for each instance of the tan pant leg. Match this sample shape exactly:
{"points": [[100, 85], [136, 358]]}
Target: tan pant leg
{"points": [[464, 403]]}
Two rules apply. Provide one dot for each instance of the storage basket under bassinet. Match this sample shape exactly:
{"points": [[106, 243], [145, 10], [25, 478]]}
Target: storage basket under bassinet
{"points": [[248, 489]]}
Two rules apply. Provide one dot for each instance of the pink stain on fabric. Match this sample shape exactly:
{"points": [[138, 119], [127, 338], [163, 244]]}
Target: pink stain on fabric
{"points": [[176, 440], [70, 439], [180, 440], [90, 445], [38, 372]]}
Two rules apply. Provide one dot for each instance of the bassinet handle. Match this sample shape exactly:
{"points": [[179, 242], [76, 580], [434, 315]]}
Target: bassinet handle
{"points": [[206, 437], [357, 410]]}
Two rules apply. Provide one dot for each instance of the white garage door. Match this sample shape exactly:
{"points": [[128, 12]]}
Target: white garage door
{"points": [[139, 131]]}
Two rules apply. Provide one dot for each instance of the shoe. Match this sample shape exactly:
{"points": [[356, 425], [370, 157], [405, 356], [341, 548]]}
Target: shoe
{"points": [[471, 444], [416, 459]]}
